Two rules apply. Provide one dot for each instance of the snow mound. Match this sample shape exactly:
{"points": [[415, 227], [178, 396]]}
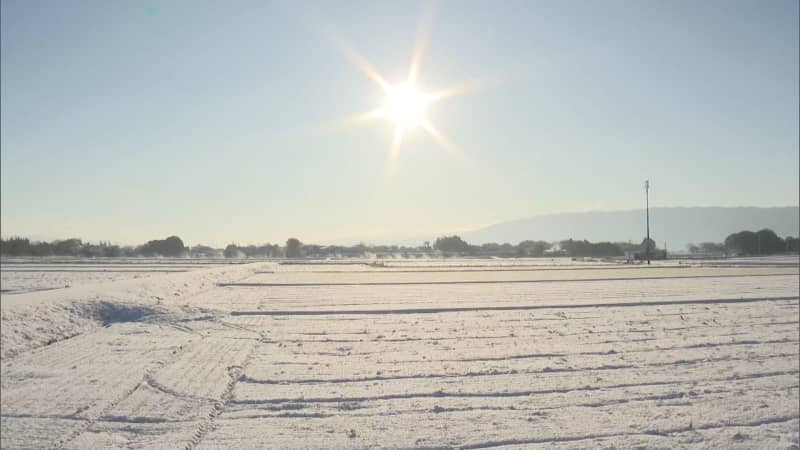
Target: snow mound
{"points": [[36, 319]]}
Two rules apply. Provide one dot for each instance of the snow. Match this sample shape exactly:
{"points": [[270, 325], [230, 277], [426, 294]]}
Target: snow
{"points": [[20, 275], [34, 319], [555, 354]]}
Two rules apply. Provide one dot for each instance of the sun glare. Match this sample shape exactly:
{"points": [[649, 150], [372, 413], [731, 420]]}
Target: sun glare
{"points": [[405, 106]]}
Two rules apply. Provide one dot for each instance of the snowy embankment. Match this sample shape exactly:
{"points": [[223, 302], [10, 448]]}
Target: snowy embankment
{"points": [[34, 319]]}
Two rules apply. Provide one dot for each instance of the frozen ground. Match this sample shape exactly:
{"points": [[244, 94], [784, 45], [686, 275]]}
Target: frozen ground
{"points": [[437, 353], [20, 275]]}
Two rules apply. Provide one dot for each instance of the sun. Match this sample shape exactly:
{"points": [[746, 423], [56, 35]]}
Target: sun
{"points": [[406, 106]]}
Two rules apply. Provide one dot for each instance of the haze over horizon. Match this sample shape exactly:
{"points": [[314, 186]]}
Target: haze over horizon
{"points": [[130, 122], [677, 225]]}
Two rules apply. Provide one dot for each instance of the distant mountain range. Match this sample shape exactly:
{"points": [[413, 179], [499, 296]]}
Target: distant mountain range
{"points": [[676, 226]]}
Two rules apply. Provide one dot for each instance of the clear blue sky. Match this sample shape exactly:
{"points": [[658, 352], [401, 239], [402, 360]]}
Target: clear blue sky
{"points": [[129, 121]]}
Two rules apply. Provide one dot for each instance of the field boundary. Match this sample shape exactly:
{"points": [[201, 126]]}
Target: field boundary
{"points": [[567, 280], [714, 301]]}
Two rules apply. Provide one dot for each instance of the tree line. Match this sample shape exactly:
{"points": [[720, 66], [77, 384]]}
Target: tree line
{"points": [[762, 242], [18, 246], [455, 245]]}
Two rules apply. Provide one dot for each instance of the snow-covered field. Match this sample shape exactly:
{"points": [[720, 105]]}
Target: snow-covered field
{"points": [[403, 353], [20, 275]]}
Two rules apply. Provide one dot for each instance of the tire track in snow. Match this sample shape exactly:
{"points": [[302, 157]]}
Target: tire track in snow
{"points": [[592, 436], [563, 280], [526, 393], [235, 373], [498, 372], [528, 336], [62, 443], [147, 377], [673, 395], [494, 269], [508, 308]]}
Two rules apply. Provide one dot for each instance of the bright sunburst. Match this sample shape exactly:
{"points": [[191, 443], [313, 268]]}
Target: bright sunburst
{"points": [[404, 105]]}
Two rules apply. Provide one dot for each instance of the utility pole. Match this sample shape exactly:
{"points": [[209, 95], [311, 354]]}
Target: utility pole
{"points": [[647, 209]]}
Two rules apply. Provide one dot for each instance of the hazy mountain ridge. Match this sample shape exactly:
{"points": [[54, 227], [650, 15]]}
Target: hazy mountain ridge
{"points": [[677, 226]]}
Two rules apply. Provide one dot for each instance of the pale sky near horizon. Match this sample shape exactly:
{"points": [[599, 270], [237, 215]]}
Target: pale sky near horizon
{"points": [[131, 121]]}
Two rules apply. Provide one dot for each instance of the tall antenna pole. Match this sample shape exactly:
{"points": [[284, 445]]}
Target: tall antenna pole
{"points": [[647, 209]]}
